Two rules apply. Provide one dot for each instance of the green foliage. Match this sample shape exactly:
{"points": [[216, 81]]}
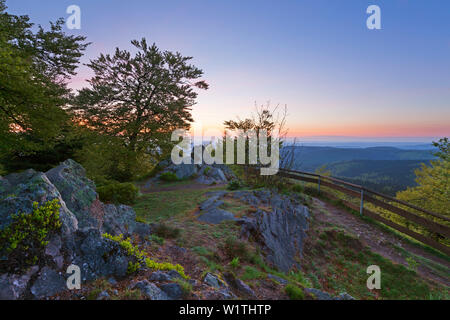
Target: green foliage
{"points": [[119, 193], [297, 188], [234, 185], [251, 273], [35, 65], [294, 292], [433, 183], [151, 92], [141, 257], [233, 247], [165, 231], [168, 177], [235, 263], [24, 239], [107, 158], [412, 263], [157, 239], [186, 287]]}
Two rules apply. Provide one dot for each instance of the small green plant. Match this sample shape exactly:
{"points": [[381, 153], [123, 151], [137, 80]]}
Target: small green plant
{"points": [[412, 263], [235, 248], [164, 231], [251, 273], [186, 287], [24, 239], [157, 239], [168, 176], [234, 185], [297, 188], [235, 263], [141, 257], [119, 193], [294, 292], [133, 267]]}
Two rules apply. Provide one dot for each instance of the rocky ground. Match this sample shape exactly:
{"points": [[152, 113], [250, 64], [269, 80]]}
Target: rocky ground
{"points": [[243, 244]]}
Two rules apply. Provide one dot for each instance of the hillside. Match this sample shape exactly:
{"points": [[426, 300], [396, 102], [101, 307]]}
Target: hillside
{"points": [[195, 238], [385, 176], [311, 158]]}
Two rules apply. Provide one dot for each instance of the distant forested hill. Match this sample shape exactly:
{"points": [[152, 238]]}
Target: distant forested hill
{"points": [[312, 158], [384, 169], [386, 176]]}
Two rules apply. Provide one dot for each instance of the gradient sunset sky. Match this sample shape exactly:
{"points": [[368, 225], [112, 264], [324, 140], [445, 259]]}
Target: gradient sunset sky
{"points": [[337, 77]]}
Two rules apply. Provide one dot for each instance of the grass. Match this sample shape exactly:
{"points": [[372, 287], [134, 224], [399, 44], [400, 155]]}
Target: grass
{"points": [[340, 264], [158, 206]]}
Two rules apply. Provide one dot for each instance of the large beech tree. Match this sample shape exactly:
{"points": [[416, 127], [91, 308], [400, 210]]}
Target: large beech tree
{"points": [[140, 98]]}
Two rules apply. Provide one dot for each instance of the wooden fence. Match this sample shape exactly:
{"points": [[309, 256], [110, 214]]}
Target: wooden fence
{"points": [[379, 200]]}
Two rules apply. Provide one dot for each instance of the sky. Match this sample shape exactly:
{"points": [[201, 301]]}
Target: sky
{"points": [[339, 80]]}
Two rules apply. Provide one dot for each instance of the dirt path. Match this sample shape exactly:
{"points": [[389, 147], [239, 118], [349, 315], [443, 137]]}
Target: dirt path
{"points": [[380, 241]]}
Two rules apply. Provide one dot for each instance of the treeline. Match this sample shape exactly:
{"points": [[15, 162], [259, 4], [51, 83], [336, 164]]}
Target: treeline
{"points": [[118, 127]]}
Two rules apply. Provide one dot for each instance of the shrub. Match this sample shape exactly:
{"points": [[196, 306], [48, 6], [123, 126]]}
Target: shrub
{"points": [[164, 231], [294, 292], [24, 239], [168, 177], [234, 185], [235, 248], [235, 263], [186, 287], [251, 273], [123, 193], [157, 239], [141, 257], [297, 188]]}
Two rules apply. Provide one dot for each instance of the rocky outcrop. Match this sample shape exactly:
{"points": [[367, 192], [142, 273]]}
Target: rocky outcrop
{"points": [[84, 219], [280, 230], [200, 173], [278, 225]]}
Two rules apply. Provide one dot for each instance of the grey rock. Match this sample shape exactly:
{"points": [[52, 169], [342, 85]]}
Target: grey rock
{"points": [[345, 296], [104, 295], [112, 281], [321, 295], [213, 281], [216, 216], [277, 279], [239, 285], [160, 276], [174, 274], [48, 284], [318, 294], [182, 171], [13, 286], [25, 188], [281, 232], [173, 290], [151, 291]]}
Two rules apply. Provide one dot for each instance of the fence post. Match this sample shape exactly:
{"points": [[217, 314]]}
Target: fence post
{"points": [[318, 184], [361, 208]]}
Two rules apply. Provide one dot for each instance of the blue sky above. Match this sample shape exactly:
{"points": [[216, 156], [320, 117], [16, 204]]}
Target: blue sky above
{"points": [[337, 77]]}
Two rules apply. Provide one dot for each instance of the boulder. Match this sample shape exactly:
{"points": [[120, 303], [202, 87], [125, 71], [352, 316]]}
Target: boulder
{"points": [[216, 216], [48, 283], [151, 291], [84, 219], [12, 287], [281, 231], [21, 190], [173, 290]]}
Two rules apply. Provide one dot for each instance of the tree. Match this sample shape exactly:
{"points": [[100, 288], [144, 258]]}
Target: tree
{"points": [[34, 70], [140, 99], [433, 182]]}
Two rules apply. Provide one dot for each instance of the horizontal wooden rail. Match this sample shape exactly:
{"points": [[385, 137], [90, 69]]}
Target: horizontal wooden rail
{"points": [[381, 201]]}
